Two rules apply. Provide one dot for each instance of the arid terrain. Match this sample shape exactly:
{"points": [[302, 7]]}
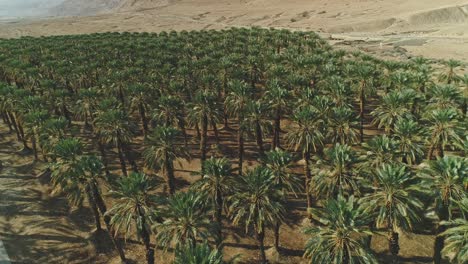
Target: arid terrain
{"points": [[435, 29]]}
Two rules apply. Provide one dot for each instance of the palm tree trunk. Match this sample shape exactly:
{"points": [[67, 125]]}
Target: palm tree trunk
{"points": [[215, 129], [13, 122], [218, 218], [94, 209], [361, 115], [128, 153], [276, 136], [23, 138], [393, 245], [308, 178], [261, 244], [439, 240], [34, 146], [7, 121], [277, 235], [146, 238], [240, 145], [169, 172], [259, 137], [103, 209], [103, 156], [203, 139], [123, 165], [144, 122]]}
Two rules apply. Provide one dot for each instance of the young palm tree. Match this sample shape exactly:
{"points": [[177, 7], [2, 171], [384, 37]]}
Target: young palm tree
{"points": [[395, 201], [257, 204], [379, 150], [217, 182], [134, 208], [279, 163], [456, 236], [444, 177], [163, 149], [339, 238], [307, 137], [185, 220]]}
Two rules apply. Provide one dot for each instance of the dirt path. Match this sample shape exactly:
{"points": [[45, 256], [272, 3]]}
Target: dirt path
{"points": [[36, 228]]}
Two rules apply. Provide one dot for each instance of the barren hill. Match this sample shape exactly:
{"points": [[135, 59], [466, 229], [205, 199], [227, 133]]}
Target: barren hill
{"points": [[431, 28]]}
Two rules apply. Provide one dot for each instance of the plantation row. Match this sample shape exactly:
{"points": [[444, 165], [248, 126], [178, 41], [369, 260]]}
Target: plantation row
{"points": [[382, 144]]}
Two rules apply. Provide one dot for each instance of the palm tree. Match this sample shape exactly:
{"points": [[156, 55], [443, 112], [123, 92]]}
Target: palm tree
{"points": [[339, 238], [444, 177], [342, 126], [277, 98], [257, 204], [336, 173], [456, 236], [444, 130], [139, 97], [379, 150], [199, 254], [395, 201], [185, 220], [217, 182], [200, 111], [34, 122], [279, 163], [236, 105], [364, 88], [163, 149], [77, 175], [394, 106], [257, 123], [307, 137], [134, 208], [450, 76], [113, 126], [408, 135]]}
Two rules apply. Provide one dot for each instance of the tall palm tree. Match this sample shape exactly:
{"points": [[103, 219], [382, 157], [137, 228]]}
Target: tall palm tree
{"points": [[185, 220], [379, 150], [236, 105], [395, 201], [77, 175], [134, 208], [163, 149], [203, 108], [139, 100], [444, 177], [306, 136], [279, 163], [339, 238], [217, 182], [450, 76], [277, 98], [113, 126], [257, 204], [364, 88], [257, 122]]}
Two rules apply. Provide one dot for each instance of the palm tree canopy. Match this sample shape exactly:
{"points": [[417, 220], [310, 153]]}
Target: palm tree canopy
{"points": [[339, 238]]}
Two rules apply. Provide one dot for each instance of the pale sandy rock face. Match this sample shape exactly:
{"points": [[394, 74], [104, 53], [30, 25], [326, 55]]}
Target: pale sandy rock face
{"points": [[431, 28]]}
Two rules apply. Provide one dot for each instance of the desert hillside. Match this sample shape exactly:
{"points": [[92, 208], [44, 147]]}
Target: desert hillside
{"points": [[430, 28]]}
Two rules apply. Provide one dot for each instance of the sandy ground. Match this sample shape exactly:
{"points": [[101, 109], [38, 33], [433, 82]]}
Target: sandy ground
{"points": [[436, 29]]}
